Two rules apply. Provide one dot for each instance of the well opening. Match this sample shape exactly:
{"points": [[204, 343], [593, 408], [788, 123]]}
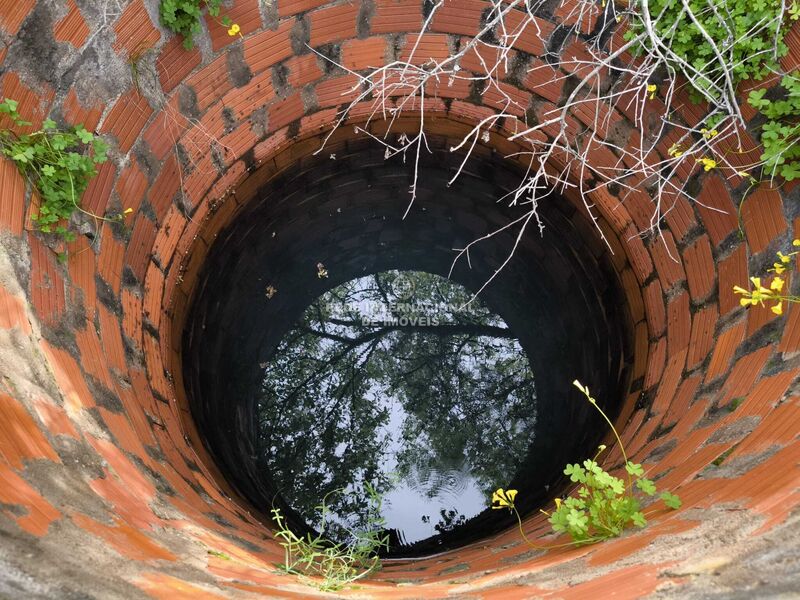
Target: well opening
{"points": [[343, 211]]}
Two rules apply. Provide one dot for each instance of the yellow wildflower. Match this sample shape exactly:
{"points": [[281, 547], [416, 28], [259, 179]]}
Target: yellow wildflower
{"points": [[675, 150], [709, 133], [504, 498], [757, 295], [777, 284], [795, 242], [128, 211], [708, 163], [778, 308], [652, 88], [234, 29], [784, 259], [778, 268]]}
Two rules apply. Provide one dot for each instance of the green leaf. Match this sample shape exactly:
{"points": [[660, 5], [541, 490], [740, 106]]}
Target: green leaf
{"points": [[575, 472], [591, 466], [84, 135], [9, 106], [756, 98], [646, 485], [671, 500], [634, 469]]}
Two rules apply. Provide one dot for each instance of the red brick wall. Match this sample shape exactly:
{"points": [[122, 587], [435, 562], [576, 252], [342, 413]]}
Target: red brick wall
{"points": [[696, 349]]}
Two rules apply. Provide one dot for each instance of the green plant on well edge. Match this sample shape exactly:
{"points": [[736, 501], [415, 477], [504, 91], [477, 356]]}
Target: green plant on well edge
{"points": [[59, 162], [746, 31], [781, 132], [602, 506], [336, 564], [183, 18]]}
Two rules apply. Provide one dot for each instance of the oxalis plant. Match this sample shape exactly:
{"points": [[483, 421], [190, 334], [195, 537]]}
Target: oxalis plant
{"points": [[331, 566], [601, 506], [183, 17], [780, 133], [716, 45], [58, 162]]}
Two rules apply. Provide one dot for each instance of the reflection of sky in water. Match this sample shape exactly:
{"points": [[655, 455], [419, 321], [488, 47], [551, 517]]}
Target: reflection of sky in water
{"points": [[408, 501], [436, 416]]}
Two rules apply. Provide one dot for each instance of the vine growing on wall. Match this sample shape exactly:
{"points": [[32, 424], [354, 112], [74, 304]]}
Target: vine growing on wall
{"points": [[780, 133], [58, 162]]}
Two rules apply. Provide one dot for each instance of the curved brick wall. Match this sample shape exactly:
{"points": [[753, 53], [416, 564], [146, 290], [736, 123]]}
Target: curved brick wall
{"points": [[106, 488], [348, 213]]}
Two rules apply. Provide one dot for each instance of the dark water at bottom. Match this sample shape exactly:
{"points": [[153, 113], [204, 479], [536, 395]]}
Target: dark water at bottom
{"points": [[398, 381]]}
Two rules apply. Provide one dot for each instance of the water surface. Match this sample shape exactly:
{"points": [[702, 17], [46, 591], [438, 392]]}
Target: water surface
{"points": [[396, 380]]}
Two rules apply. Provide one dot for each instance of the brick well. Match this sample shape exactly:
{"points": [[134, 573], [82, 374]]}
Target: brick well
{"points": [[106, 486]]}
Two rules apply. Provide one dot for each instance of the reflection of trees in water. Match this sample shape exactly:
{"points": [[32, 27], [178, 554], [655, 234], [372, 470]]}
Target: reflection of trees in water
{"points": [[328, 410], [448, 520]]}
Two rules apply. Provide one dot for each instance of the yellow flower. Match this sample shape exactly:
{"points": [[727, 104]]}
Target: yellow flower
{"points": [[652, 88], [675, 151], [778, 268], [795, 242], [504, 498], [128, 211], [708, 163], [234, 29], [778, 308], [709, 133], [757, 295], [777, 284]]}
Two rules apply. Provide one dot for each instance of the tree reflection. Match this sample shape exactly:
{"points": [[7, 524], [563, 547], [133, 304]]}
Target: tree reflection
{"points": [[390, 378]]}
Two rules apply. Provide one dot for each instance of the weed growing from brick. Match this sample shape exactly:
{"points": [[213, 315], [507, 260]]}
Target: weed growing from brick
{"points": [[602, 506], [332, 566], [58, 162]]}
